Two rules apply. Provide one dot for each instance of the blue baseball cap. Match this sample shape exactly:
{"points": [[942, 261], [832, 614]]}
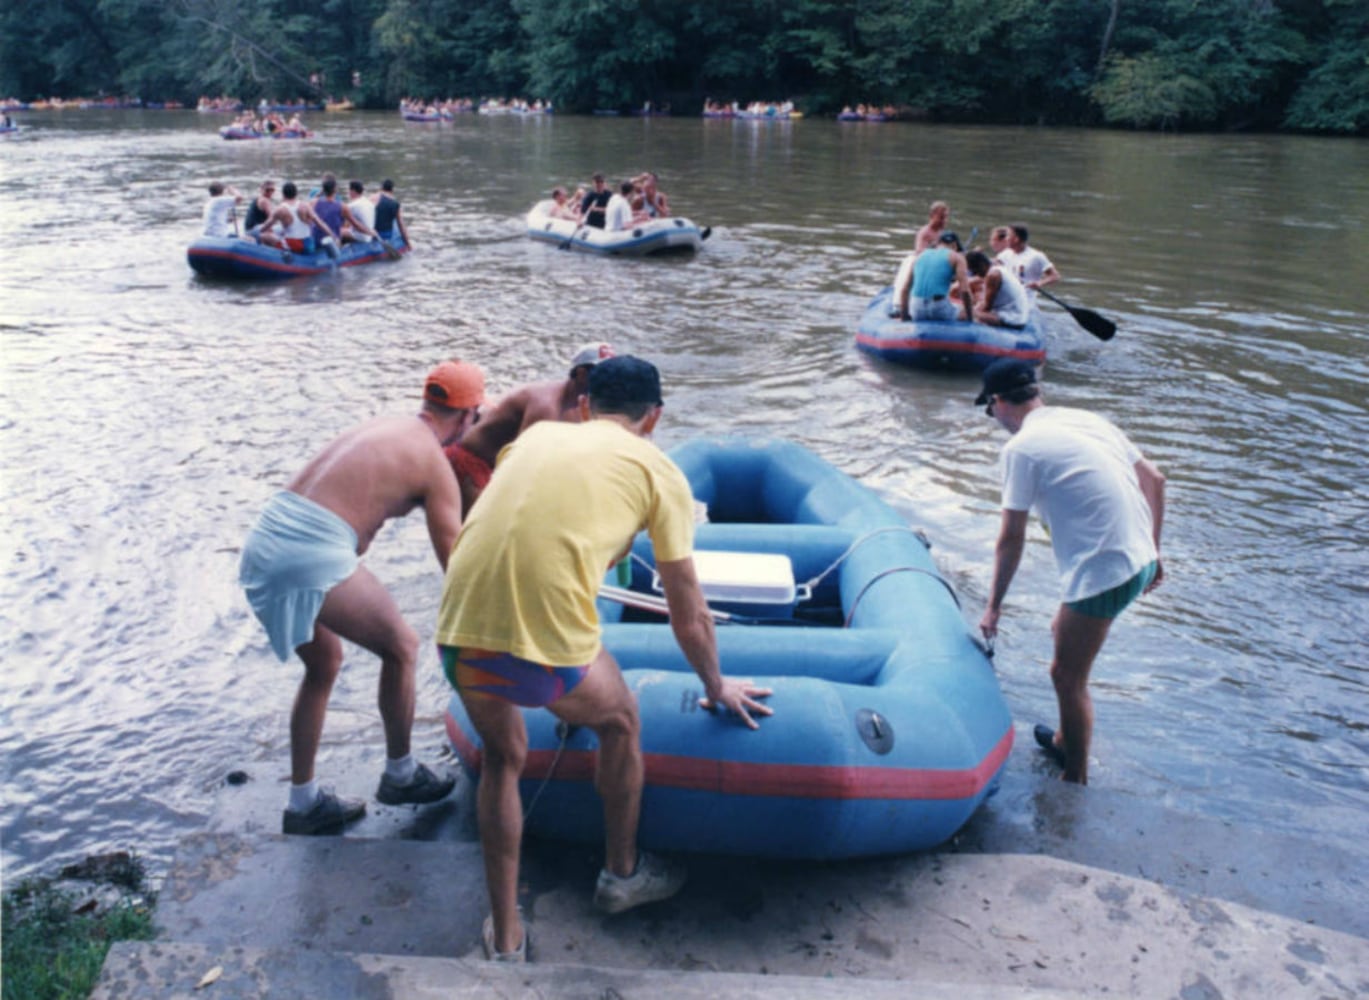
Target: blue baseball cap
{"points": [[1005, 375]]}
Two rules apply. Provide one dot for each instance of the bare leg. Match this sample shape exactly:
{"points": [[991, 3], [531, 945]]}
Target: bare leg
{"points": [[322, 660], [499, 810], [1078, 638], [362, 611], [603, 702]]}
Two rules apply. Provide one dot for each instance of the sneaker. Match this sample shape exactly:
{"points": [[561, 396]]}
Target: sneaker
{"points": [[329, 815], [423, 787], [517, 956], [654, 879]]}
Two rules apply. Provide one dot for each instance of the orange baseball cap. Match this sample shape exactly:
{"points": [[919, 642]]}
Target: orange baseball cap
{"points": [[458, 385]]}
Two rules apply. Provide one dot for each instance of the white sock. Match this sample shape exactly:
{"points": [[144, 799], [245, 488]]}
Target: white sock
{"points": [[304, 797], [401, 769]]}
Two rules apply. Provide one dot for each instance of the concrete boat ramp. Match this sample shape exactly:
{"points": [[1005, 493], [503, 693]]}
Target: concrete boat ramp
{"points": [[1051, 891]]}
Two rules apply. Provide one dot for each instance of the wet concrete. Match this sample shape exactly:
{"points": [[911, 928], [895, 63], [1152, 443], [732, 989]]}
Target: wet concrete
{"points": [[1051, 888]]}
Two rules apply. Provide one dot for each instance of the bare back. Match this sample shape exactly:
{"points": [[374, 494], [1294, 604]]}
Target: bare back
{"points": [[383, 469], [517, 411]]}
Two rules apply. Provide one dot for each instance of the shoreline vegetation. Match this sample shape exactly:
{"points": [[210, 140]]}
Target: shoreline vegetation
{"points": [[57, 930], [1170, 65]]}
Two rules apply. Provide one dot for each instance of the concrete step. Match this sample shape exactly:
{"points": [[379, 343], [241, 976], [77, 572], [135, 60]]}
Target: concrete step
{"points": [[158, 971], [1004, 923]]}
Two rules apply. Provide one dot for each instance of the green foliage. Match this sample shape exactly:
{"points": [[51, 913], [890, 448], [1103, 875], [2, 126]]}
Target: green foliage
{"points": [[1301, 64], [53, 946], [1150, 91], [1334, 96]]}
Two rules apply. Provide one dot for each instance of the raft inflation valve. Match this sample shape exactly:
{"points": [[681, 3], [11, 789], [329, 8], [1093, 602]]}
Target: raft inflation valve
{"points": [[875, 730]]}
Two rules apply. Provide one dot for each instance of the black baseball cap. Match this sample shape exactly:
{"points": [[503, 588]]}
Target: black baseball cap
{"points": [[624, 380], [952, 238], [1005, 375]]}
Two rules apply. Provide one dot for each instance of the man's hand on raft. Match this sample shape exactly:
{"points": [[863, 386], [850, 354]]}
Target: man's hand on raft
{"points": [[739, 698]]}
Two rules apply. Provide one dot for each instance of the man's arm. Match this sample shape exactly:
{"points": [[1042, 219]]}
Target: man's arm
{"points": [[356, 223], [442, 505], [693, 628], [903, 283], [1012, 537], [307, 214], [963, 277], [1152, 483]]}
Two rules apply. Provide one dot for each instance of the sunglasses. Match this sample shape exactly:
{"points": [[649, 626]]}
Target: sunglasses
{"points": [[988, 410]]}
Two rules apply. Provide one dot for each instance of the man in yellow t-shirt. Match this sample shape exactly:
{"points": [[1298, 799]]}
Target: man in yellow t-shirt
{"points": [[518, 627]]}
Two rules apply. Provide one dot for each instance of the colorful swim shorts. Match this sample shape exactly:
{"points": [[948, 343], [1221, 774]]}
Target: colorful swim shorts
{"points": [[508, 677]]}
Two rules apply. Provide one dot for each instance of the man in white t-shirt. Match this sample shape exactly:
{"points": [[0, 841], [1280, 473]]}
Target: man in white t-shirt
{"points": [[618, 214], [219, 218], [1033, 267], [362, 212], [1103, 505]]}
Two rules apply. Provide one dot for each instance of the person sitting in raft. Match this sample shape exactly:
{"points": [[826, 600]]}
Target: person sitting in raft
{"points": [[296, 125], [1032, 266], [1002, 301], [334, 216], [259, 214], [220, 219], [593, 204], [937, 216], [473, 457], [296, 220], [389, 215], [930, 280], [361, 212], [654, 200], [618, 214], [564, 208]]}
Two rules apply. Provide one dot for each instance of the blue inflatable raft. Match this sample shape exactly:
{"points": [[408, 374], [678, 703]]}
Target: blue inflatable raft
{"points": [[938, 344], [235, 257], [889, 727]]}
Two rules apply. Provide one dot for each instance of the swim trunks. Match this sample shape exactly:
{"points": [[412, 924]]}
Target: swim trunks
{"points": [[1111, 603], [507, 677], [469, 468], [297, 552]]}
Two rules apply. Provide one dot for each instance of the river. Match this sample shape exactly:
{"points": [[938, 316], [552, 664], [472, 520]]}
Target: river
{"points": [[146, 415]]}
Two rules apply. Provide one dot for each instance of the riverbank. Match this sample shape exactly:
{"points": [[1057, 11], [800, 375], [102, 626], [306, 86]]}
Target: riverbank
{"points": [[1050, 890]]}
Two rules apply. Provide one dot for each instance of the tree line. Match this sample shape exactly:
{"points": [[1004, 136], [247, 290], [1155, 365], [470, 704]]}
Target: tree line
{"points": [[1299, 65]]}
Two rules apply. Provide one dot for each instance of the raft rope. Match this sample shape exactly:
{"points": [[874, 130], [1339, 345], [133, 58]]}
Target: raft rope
{"points": [[812, 584], [563, 730], [898, 569]]}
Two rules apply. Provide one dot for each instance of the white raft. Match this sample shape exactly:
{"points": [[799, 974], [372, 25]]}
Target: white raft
{"points": [[671, 235]]}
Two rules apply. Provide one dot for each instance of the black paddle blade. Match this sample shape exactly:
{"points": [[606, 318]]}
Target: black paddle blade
{"points": [[1095, 323], [1100, 326]]}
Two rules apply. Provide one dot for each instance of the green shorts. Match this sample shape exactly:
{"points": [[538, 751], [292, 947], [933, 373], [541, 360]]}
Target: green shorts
{"points": [[1111, 603]]}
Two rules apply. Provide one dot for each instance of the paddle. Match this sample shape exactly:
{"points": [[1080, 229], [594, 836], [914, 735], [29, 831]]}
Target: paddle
{"points": [[1098, 325]]}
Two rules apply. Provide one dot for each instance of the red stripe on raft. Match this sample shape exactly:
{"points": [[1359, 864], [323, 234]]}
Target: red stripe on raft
{"points": [[943, 346], [803, 781]]}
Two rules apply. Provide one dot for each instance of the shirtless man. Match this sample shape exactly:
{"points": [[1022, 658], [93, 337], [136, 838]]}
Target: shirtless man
{"points": [[653, 199], [296, 219], [937, 217], [472, 458], [301, 571]]}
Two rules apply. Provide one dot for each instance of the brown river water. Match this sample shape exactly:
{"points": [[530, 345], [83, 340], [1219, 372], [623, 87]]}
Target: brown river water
{"points": [[146, 414]]}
